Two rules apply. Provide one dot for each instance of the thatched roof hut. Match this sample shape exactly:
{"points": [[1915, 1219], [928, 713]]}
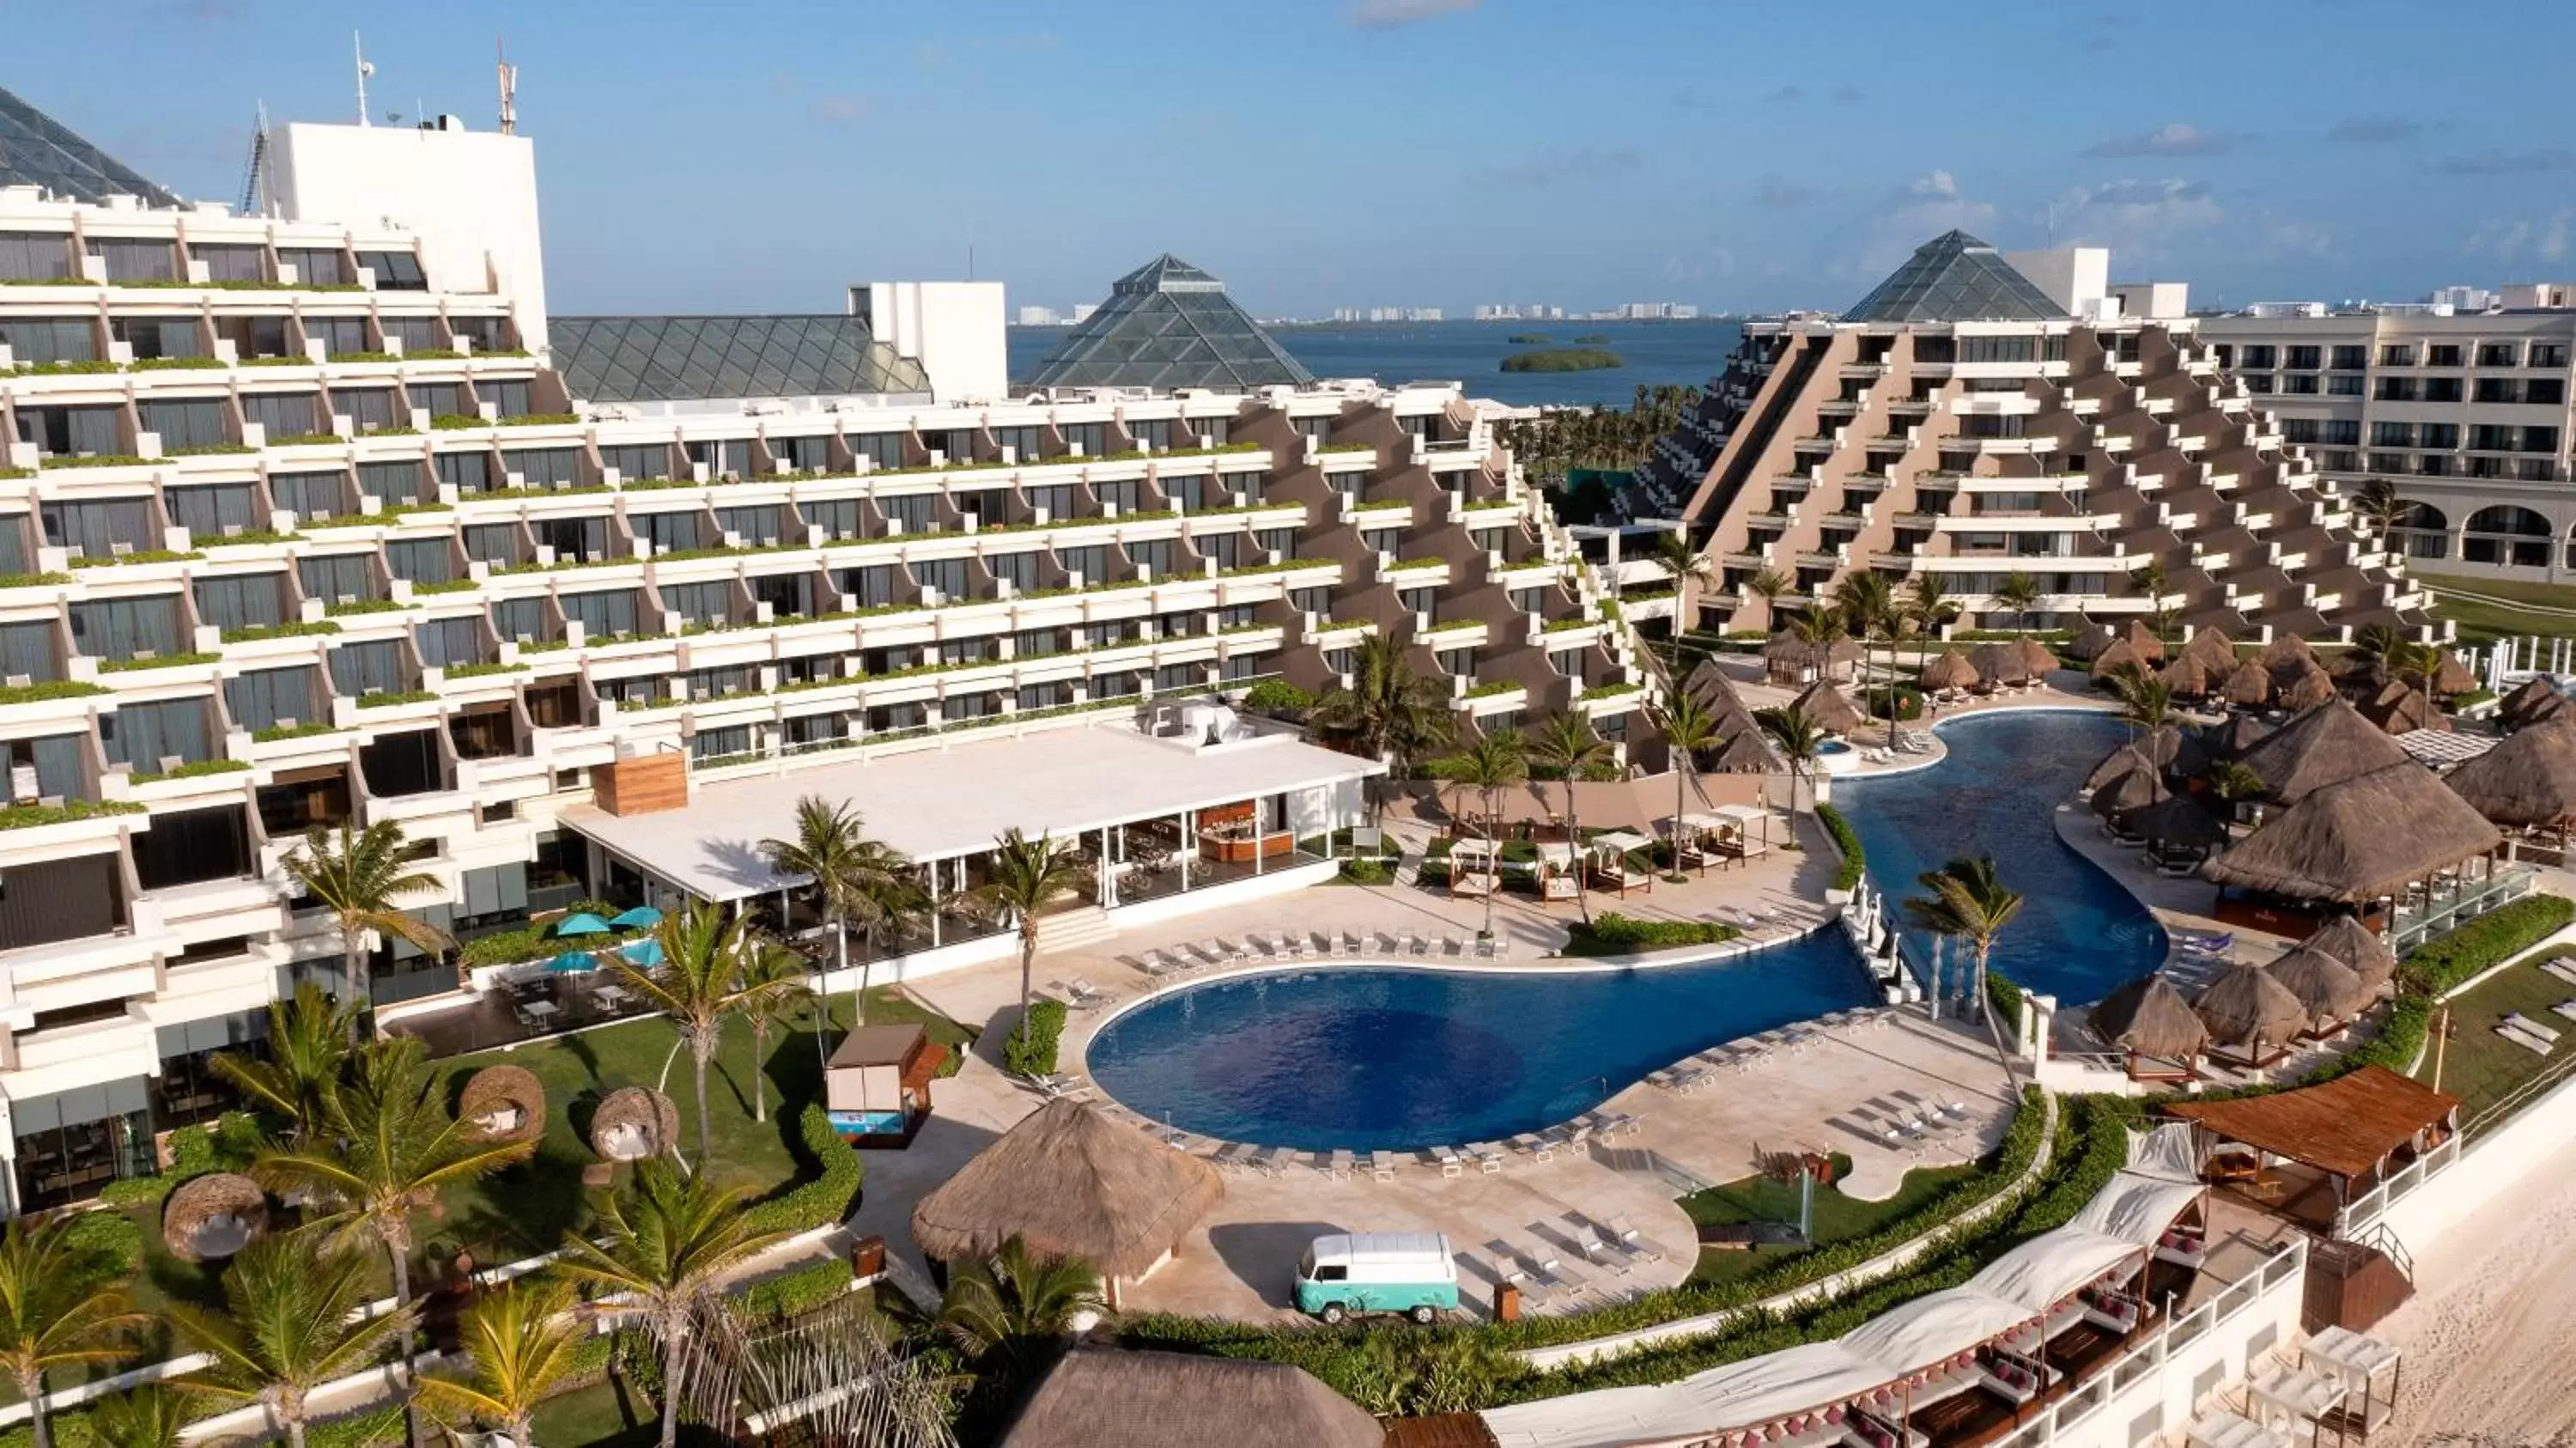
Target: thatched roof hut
{"points": [[633, 1123], [2304, 688], [503, 1103], [2450, 676], [1826, 708], [2188, 675], [2245, 1006], [2289, 651], [2324, 745], [1746, 751], [2529, 703], [2120, 761], [2358, 840], [2178, 819], [2526, 782], [2174, 749], [1951, 671], [2117, 656], [2210, 644], [1710, 685], [2359, 947], [2240, 733], [1100, 1397], [2150, 1017], [1999, 662], [1070, 1182], [2330, 989], [2132, 791], [2035, 656], [2401, 708], [2248, 685], [2088, 642], [209, 1218], [2143, 642], [1788, 654]]}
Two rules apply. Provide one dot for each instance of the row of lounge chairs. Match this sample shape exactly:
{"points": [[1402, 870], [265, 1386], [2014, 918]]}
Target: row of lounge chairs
{"points": [[1740, 1057], [1911, 1131], [1273, 946], [1538, 1269]]}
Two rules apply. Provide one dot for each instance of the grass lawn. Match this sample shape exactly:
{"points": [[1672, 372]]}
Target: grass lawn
{"points": [[1761, 1199], [2481, 1067], [2483, 622]]}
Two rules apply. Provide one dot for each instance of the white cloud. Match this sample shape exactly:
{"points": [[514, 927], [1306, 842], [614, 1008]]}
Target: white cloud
{"points": [[1386, 14], [2174, 138], [2521, 238], [1922, 209], [2136, 219]]}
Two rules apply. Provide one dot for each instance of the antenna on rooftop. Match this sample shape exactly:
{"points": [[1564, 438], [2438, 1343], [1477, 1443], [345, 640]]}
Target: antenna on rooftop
{"points": [[256, 198], [366, 68], [509, 91]]}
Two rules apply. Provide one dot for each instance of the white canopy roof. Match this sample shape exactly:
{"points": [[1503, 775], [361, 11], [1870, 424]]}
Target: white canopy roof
{"points": [[1555, 852], [2046, 1270], [1471, 849], [1927, 1330], [2171, 1152], [2351, 1351], [1739, 1395], [1620, 841], [2136, 1209]]}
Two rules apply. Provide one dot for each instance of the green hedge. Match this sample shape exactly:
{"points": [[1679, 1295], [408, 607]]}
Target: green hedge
{"points": [[1909, 702], [1855, 860], [803, 1290], [2005, 994], [827, 1198], [1030, 1048], [1278, 695], [1616, 934], [2445, 962]]}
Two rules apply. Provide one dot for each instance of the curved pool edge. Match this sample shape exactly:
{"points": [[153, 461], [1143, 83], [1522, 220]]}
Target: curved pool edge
{"points": [[1916, 766]]}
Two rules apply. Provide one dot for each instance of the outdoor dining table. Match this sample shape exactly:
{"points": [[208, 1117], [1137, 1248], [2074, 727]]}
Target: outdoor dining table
{"points": [[538, 1011], [611, 996]]}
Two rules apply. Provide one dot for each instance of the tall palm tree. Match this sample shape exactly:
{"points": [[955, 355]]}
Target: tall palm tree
{"points": [[698, 984], [2017, 594], [1800, 741], [151, 1416], [852, 876], [773, 991], [1017, 1303], [1867, 602], [1027, 876], [358, 877], [664, 1246], [393, 1148], [1566, 744], [1688, 726], [2377, 507], [521, 1341], [1688, 568], [308, 1045], [1767, 584], [2153, 583], [2146, 700], [55, 1313], [1492, 764], [1967, 903], [1389, 711], [290, 1324], [1929, 608]]}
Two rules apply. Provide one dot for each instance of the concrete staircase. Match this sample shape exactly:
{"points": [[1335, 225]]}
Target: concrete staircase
{"points": [[1074, 930]]}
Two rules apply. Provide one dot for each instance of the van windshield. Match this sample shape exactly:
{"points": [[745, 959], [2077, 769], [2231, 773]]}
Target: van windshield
{"points": [[1306, 1265]]}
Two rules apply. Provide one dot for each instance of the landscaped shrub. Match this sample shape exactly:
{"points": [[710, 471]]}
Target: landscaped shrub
{"points": [[1030, 1048], [69, 1427], [795, 1293], [827, 1198], [1278, 696], [358, 1430], [1855, 860], [2446, 961], [1366, 870], [107, 1245], [2006, 996], [1616, 934], [1909, 702]]}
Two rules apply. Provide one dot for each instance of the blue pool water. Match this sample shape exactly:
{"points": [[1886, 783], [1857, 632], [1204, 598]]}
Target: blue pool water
{"points": [[2080, 934], [1371, 1058]]}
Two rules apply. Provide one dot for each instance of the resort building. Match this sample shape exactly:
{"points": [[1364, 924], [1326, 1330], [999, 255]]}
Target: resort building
{"points": [[1964, 421], [314, 515], [2465, 413]]}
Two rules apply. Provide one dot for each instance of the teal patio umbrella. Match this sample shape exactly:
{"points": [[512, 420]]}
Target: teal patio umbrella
{"points": [[643, 954], [582, 924], [573, 962], [642, 917]]}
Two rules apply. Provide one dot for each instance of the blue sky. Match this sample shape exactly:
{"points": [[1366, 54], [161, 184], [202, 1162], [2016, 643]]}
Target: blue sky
{"points": [[1315, 153]]}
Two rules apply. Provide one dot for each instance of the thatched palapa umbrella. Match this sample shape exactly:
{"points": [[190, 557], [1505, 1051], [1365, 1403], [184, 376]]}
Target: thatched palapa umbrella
{"points": [[211, 1217], [2304, 689], [2246, 1007], [2088, 643], [2213, 648], [2289, 651], [1071, 1183], [2149, 1017], [2116, 657], [2120, 761], [2530, 703], [1746, 751], [2178, 819], [2328, 988], [2401, 708], [2143, 642], [2324, 745], [2132, 791], [1101, 1397], [633, 1123], [1950, 671], [2240, 733], [2000, 663], [2035, 657], [2248, 686], [1827, 709], [2174, 750], [2188, 675], [2526, 782], [2360, 840], [2450, 676], [503, 1103], [2360, 949]]}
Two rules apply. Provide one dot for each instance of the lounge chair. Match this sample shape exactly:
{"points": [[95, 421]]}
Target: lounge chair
{"points": [[1451, 1164], [1273, 1161], [2566, 1009], [1607, 1124], [1234, 1156], [1351, 943], [1488, 1155], [1342, 1165], [1382, 1165], [1534, 1146], [1625, 1233], [1598, 1251], [1157, 966], [2207, 942], [1555, 1276], [2560, 969]]}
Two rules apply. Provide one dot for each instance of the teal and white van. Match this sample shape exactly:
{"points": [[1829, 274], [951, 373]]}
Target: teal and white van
{"points": [[1407, 1272]]}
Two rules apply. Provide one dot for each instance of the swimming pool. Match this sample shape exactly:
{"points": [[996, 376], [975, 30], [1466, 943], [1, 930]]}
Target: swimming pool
{"points": [[2080, 933], [1370, 1057]]}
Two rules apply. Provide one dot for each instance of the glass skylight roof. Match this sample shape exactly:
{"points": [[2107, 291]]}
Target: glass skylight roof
{"points": [[1168, 324], [37, 150], [1954, 277], [670, 359]]}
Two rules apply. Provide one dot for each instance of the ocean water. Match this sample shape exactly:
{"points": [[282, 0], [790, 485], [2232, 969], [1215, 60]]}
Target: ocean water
{"points": [[1656, 353]]}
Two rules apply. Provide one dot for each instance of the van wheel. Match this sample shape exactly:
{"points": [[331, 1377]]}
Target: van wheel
{"points": [[1423, 1314], [1334, 1312]]}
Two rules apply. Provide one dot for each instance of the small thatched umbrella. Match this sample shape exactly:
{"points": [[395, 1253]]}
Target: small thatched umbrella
{"points": [[2400, 708], [2240, 733], [2143, 642], [633, 1123], [2149, 1017], [2450, 676], [2213, 648], [2115, 658], [2188, 675], [2526, 782], [2329, 989], [2359, 840], [2132, 791], [211, 1217], [2178, 819], [2246, 1007], [1950, 671], [1070, 1183], [2325, 745], [1100, 1397], [2088, 643], [2174, 750], [2289, 651], [2035, 657], [1827, 709], [2123, 760], [2248, 686], [503, 1103], [1746, 751], [2530, 702], [2360, 949], [2000, 663], [2305, 689]]}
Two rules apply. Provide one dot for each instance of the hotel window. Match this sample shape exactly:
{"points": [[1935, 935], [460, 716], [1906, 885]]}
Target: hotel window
{"points": [[1999, 349], [1022, 444], [496, 543], [1055, 500], [420, 560], [1158, 555], [509, 396], [2302, 384], [188, 423], [2350, 357], [2259, 383], [2442, 354], [2443, 389], [2491, 437], [209, 512], [35, 256], [2499, 354], [2344, 385], [544, 467], [836, 517], [467, 472], [638, 461], [282, 414], [483, 334], [439, 399], [369, 408], [2395, 389], [446, 642], [248, 600], [395, 271], [2392, 434], [416, 334], [602, 615], [99, 528], [339, 336], [314, 266], [2549, 391], [1085, 567], [2387, 462], [335, 578], [2293, 429], [760, 525], [1121, 494], [49, 339], [669, 532], [909, 513], [393, 484], [2397, 354], [883, 450], [2303, 358], [724, 457], [136, 259], [807, 453], [2548, 354], [140, 736], [309, 495], [2499, 389], [2341, 432], [947, 575], [2226, 352], [1189, 494], [2443, 435], [2261, 357], [698, 602], [157, 337], [2540, 439], [1245, 488], [1154, 433]]}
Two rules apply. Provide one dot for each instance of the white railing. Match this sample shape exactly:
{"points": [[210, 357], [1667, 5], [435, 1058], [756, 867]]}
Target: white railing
{"points": [[2359, 1213]]}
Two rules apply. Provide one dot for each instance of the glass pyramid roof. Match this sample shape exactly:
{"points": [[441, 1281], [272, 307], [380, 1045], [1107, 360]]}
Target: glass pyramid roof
{"points": [[670, 359], [1168, 324], [1954, 277], [37, 150]]}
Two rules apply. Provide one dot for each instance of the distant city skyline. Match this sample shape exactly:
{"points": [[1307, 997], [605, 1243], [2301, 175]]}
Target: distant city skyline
{"points": [[762, 159]]}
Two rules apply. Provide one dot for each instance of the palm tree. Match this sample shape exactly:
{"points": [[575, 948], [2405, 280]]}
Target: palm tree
{"points": [[2152, 583], [1801, 742], [2017, 594], [308, 1045], [1867, 602], [1390, 712], [664, 1246], [2146, 700], [1026, 877], [2376, 505], [1494, 763], [291, 1322], [1017, 1303], [1767, 584], [853, 876], [522, 1342], [54, 1312], [1566, 744], [697, 985], [1930, 608], [2233, 782], [151, 1416], [773, 990], [1967, 903], [1688, 726], [357, 878], [1686, 566]]}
